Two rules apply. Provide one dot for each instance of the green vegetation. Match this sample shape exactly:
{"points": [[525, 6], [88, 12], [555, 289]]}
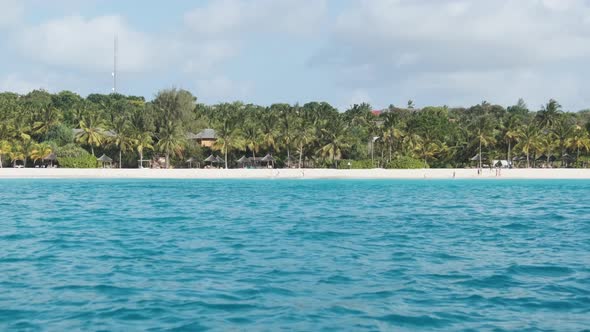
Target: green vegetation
{"points": [[405, 162], [314, 134]]}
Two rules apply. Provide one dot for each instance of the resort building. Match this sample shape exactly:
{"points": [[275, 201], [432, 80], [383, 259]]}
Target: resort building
{"points": [[206, 137]]}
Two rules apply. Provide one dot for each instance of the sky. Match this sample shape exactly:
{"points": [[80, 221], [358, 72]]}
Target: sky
{"points": [[434, 52]]}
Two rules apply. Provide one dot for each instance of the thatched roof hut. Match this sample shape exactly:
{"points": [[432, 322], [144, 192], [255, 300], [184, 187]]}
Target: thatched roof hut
{"points": [[268, 158], [211, 159], [50, 157], [104, 159]]}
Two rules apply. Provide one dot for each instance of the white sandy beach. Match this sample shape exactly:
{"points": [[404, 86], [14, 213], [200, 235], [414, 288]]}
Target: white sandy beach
{"points": [[555, 173]]}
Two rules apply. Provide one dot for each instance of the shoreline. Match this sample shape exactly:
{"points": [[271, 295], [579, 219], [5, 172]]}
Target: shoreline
{"points": [[305, 173]]}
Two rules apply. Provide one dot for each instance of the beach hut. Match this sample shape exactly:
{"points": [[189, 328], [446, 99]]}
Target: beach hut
{"points": [[477, 159], [242, 161], [104, 160], [190, 162], [51, 158], [269, 160], [211, 159], [546, 159], [566, 160], [501, 163], [291, 162]]}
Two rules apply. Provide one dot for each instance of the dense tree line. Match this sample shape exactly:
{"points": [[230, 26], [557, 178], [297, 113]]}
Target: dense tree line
{"points": [[314, 134]]}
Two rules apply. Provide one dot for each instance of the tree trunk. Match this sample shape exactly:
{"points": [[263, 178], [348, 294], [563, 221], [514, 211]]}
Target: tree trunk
{"points": [[167, 160], [528, 163], [389, 159], [225, 157], [480, 153], [140, 158], [300, 155], [92, 149], [288, 157], [25, 162], [1, 160], [120, 161], [509, 160]]}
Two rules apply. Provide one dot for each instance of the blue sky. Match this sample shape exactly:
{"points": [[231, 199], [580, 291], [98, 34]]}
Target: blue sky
{"points": [[435, 52]]}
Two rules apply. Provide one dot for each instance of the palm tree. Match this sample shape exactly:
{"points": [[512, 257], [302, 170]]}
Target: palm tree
{"points": [[484, 138], [305, 136], [287, 121], [252, 138], [170, 141], [227, 143], [528, 140], [336, 141], [546, 145], [510, 136], [549, 114], [269, 130], [226, 117], [389, 136], [427, 149], [16, 153], [40, 151], [563, 129], [92, 132], [579, 141], [123, 140], [142, 140], [5, 148], [47, 117]]}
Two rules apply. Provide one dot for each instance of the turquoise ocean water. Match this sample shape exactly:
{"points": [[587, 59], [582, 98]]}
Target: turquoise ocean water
{"points": [[310, 255]]}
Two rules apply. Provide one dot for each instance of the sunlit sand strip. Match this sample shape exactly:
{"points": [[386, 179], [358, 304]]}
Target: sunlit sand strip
{"points": [[555, 173]]}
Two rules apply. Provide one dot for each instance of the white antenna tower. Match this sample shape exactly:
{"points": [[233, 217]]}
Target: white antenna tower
{"points": [[116, 42]]}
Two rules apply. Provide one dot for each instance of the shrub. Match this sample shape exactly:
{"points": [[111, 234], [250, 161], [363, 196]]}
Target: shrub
{"points": [[71, 150], [355, 164], [405, 162], [73, 156], [87, 161]]}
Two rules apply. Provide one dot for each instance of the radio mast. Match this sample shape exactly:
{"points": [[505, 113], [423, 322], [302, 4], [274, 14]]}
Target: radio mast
{"points": [[115, 46]]}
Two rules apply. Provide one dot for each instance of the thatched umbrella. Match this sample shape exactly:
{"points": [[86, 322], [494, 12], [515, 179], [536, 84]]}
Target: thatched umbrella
{"points": [[51, 158], [190, 162], [211, 159], [268, 159], [105, 159], [242, 161], [567, 158]]}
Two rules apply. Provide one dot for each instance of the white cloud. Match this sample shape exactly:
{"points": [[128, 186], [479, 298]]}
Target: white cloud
{"points": [[502, 86], [207, 55], [231, 18], [357, 96], [87, 44], [17, 83], [401, 42], [11, 12], [223, 89]]}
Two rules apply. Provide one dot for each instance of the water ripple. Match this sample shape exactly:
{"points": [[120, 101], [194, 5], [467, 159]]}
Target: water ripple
{"points": [[194, 255]]}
